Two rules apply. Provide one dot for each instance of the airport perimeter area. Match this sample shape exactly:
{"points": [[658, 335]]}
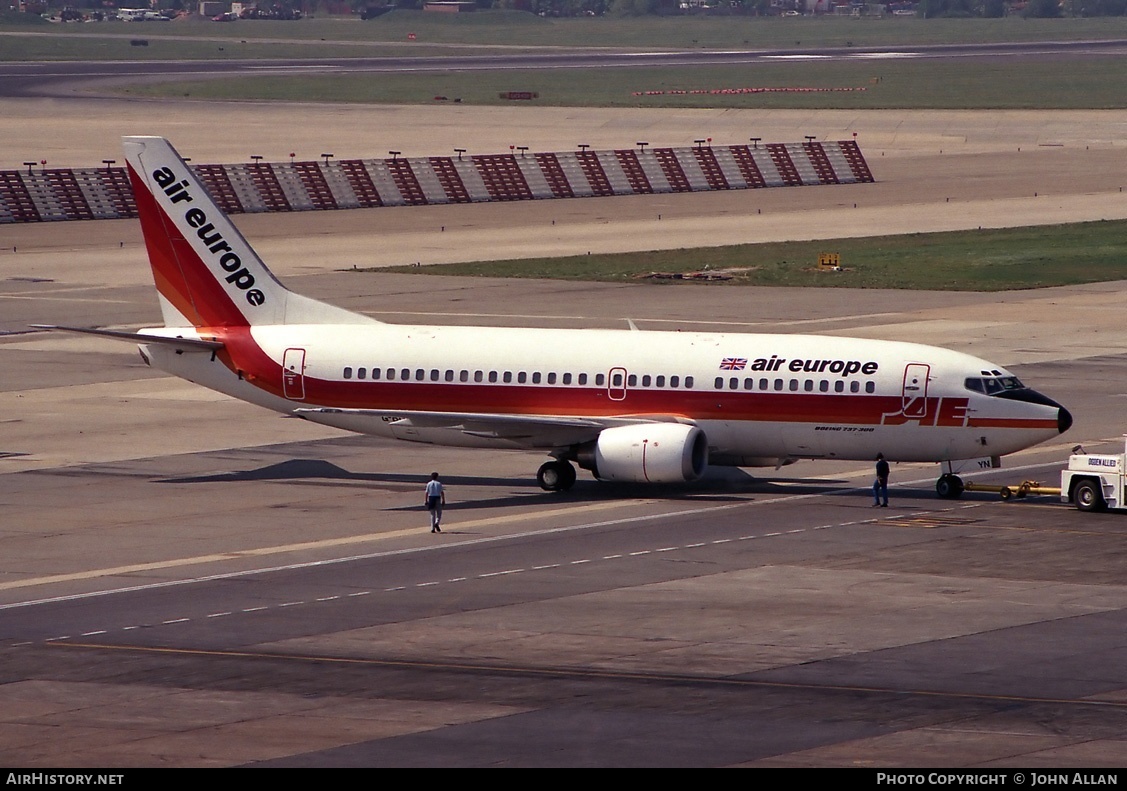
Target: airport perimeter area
{"points": [[190, 581], [61, 194]]}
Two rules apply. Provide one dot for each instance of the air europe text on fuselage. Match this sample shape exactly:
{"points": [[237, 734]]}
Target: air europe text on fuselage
{"points": [[798, 365]]}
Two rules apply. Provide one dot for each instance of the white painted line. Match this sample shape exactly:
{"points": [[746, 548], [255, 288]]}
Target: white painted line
{"points": [[639, 553], [709, 509], [323, 544]]}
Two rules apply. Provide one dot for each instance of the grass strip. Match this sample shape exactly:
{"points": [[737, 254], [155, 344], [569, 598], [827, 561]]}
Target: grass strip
{"points": [[1012, 83], [514, 28], [987, 260]]}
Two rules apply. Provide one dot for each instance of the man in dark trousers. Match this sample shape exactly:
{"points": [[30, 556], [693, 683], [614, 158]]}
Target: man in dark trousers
{"points": [[435, 499], [880, 486]]}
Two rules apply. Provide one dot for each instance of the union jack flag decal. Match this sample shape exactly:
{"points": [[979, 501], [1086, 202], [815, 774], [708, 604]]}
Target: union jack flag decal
{"points": [[733, 363]]}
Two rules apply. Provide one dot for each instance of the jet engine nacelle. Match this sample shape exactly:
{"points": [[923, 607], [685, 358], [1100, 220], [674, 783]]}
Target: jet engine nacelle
{"points": [[650, 453]]}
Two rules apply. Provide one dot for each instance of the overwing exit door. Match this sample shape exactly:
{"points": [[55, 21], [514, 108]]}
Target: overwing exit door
{"points": [[616, 384]]}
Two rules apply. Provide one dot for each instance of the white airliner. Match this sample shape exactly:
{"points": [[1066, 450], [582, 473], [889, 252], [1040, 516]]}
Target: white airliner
{"points": [[627, 405]]}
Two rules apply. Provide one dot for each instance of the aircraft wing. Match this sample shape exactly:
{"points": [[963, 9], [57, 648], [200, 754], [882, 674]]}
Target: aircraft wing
{"points": [[527, 431]]}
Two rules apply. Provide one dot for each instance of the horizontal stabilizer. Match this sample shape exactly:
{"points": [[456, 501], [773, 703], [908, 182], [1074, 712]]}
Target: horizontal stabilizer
{"points": [[184, 344]]}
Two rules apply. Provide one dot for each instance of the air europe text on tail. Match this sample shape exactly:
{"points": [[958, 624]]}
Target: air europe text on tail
{"points": [[207, 274], [228, 260]]}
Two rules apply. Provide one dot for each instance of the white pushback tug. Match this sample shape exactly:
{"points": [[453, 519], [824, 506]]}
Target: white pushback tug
{"points": [[1095, 481], [1091, 482]]}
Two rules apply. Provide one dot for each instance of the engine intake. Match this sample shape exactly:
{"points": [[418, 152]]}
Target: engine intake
{"points": [[648, 453]]}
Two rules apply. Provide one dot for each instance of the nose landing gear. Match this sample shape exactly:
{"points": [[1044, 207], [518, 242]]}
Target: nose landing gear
{"points": [[949, 486]]}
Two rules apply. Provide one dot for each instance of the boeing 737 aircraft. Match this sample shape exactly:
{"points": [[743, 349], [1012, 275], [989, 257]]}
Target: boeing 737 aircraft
{"points": [[638, 406]]}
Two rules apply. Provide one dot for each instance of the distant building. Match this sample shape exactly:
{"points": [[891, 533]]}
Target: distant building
{"points": [[450, 6]]}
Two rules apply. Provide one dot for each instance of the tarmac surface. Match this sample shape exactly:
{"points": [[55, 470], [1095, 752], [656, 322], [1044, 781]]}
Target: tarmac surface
{"points": [[191, 581]]}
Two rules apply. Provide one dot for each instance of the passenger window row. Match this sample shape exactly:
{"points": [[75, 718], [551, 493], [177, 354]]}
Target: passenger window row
{"points": [[519, 377], [794, 385]]}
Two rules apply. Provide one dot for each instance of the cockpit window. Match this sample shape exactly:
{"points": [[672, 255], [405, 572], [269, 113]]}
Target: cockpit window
{"points": [[992, 385]]}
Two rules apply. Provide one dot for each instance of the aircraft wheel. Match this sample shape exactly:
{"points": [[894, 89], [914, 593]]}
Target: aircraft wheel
{"points": [[1088, 497], [949, 487], [555, 476]]}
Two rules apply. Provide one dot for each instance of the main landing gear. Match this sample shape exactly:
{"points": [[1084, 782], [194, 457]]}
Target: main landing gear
{"points": [[949, 486], [556, 476]]}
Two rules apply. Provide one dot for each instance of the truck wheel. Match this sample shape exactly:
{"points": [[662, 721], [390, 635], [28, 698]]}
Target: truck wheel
{"points": [[1088, 497]]}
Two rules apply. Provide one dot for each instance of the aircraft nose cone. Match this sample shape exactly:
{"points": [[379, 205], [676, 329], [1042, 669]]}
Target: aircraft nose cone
{"points": [[1064, 420]]}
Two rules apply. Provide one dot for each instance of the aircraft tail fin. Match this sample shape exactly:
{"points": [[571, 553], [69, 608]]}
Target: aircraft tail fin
{"points": [[206, 273]]}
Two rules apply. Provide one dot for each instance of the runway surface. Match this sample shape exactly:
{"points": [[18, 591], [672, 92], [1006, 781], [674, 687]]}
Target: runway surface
{"points": [[63, 78], [189, 581]]}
